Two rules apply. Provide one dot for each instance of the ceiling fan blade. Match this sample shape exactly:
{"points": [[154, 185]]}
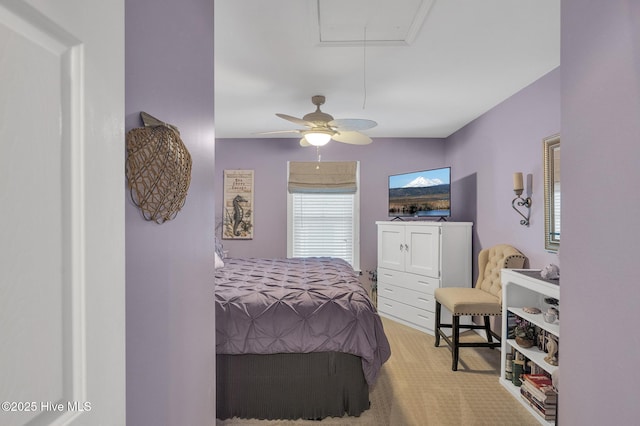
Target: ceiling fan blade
{"points": [[349, 124], [354, 138], [295, 120], [279, 131]]}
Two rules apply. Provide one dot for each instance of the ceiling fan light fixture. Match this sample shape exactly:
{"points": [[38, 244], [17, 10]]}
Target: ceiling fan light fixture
{"points": [[317, 137]]}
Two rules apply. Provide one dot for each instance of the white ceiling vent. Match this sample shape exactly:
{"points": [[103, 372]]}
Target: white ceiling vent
{"points": [[378, 22]]}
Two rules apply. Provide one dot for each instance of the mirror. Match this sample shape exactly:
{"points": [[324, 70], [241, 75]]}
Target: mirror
{"points": [[552, 192]]}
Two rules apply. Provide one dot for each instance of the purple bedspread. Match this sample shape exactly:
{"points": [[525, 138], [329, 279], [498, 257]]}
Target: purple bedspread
{"points": [[268, 306]]}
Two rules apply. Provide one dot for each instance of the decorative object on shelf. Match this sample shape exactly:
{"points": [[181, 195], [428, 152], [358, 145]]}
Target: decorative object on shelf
{"points": [[553, 309], [552, 350], [555, 379], [518, 188], [519, 366], [550, 272], [551, 301], [524, 342], [531, 310], [158, 169], [238, 205], [549, 317], [525, 333]]}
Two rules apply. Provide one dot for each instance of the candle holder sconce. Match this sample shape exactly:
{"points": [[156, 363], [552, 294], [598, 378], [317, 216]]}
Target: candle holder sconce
{"points": [[524, 203]]}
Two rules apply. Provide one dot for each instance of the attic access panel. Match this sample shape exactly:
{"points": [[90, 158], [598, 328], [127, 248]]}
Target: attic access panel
{"points": [[378, 22]]}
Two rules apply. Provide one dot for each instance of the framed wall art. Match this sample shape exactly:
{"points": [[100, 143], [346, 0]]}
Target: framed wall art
{"points": [[238, 205]]}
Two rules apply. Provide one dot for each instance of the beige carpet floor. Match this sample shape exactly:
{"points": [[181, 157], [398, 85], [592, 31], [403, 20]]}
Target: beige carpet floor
{"points": [[417, 387]]}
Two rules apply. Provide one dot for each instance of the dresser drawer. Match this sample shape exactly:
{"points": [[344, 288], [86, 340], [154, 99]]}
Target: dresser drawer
{"points": [[420, 317], [413, 298], [419, 283]]}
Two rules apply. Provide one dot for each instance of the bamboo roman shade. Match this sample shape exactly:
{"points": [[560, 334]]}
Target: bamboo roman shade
{"points": [[339, 177]]}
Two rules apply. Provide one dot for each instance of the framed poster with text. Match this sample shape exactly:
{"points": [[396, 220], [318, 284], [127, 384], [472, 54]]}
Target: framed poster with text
{"points": [[238, 205]]}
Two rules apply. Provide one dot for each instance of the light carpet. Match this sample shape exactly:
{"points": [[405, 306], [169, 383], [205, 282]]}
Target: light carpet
{"points": [[417, 387]]}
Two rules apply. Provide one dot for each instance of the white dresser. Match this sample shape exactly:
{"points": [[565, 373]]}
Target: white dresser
{"points": [[416, 257]]}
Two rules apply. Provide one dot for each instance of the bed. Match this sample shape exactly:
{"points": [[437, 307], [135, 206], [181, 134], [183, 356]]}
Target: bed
{"points": [[295, 338]]}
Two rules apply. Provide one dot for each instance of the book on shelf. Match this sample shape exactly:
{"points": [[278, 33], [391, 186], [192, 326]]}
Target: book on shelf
{"points": [[546, 411], [536, 369], [541, 382], [511, 325], [548, 398]]}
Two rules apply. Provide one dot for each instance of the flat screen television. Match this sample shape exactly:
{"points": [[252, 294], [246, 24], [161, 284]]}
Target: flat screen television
{"points": [[424, 194]]}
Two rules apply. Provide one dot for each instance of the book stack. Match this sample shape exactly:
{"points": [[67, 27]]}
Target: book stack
{"points": [[537, 390]]}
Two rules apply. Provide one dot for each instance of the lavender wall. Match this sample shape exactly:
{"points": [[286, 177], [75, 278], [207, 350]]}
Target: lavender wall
{"points": [[169, 301], [485, 154], [268, 157], [600, 347]]}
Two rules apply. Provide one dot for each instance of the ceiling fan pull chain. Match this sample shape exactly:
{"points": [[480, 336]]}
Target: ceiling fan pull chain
{"points": [[318, 153]]}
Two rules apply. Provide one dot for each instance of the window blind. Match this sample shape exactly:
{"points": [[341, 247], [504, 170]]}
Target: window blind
{"points": [[323, 225], [322, 177]]}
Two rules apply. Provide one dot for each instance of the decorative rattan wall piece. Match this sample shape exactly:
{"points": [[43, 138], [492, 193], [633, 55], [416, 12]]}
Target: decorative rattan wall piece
{"points": [[158, 169]]}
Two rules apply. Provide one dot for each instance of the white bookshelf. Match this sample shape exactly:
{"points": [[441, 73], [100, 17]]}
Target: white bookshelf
{"points": [[519, 291]]}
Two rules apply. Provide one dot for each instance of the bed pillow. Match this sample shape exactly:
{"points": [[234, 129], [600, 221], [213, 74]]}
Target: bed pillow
{"points": [[218, 262]]}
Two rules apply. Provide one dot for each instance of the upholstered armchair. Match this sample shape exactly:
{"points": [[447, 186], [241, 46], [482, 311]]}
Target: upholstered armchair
{"points": [[485, 300]]}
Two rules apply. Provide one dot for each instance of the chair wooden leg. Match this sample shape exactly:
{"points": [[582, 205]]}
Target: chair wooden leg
{"points": [[456, 342], [487, 329], [437, 331]]}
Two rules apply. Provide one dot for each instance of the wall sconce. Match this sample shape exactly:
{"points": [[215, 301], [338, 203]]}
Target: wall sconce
{"points": [[518, 188]]}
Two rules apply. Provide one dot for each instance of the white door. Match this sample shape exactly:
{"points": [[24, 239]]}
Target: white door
{"points": [[62, 212], [423, 251]]}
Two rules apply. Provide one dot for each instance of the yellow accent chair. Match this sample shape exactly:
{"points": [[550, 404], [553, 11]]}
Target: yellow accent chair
{"points": [[485, 299]]}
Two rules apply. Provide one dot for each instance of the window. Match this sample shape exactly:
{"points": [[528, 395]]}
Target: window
{"points": [[324, 224]]}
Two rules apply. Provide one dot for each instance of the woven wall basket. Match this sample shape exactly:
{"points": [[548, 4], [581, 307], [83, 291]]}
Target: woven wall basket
{"points": [[158, 170]]}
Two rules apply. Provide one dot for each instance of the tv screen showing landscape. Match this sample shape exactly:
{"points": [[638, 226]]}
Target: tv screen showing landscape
{"points": [[421, 194]]}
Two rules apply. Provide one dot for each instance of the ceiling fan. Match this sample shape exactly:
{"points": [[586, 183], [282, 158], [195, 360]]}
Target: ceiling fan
{"points": [[321, 127]]}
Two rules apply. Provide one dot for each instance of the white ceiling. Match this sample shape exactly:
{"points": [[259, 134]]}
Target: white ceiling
{"points": [[419, 68]]}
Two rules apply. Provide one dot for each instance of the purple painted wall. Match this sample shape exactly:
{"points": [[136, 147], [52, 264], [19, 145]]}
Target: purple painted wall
{"points": [[600, 346], [485, 154], [169, 301], [268, 157]]}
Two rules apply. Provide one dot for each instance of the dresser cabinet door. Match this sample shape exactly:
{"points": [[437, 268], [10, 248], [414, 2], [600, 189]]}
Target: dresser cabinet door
{"points": [[423, 251], [391, 249]]}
